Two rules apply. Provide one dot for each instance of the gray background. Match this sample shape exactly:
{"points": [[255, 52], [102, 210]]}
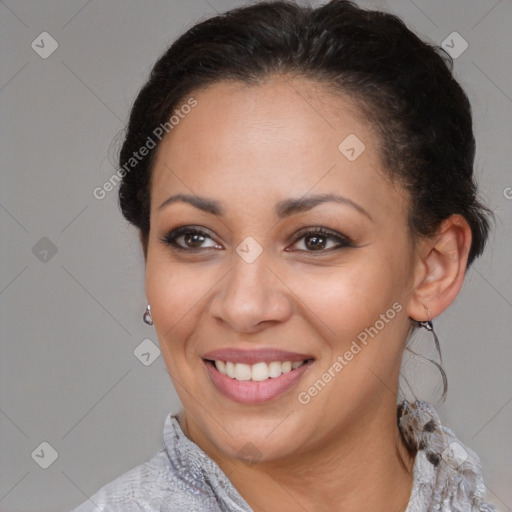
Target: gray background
{"points": [[70, 321]]}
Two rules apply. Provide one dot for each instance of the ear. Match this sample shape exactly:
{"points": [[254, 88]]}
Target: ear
{"points": [[440, 270]]}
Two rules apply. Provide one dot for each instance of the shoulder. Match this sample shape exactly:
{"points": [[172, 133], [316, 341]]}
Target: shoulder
{"points": [[147, 487], [179, 477], [447, 473]]}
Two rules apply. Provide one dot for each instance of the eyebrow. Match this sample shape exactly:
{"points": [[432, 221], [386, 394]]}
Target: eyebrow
{"points": [[282, 209]]}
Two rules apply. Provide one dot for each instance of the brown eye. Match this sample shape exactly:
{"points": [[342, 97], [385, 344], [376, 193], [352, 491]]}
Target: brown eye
{"points": [[188, 238], [193, 239], [321, 240], [315, 242]]}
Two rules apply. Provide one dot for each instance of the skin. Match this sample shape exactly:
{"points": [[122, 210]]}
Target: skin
{"points": [[249, 147]]}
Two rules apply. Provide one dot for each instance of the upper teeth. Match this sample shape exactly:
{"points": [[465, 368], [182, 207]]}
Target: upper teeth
{"points": [[258, 371]]}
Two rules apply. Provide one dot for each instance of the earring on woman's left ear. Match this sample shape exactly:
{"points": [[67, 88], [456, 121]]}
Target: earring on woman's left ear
{"points": [[429, 326]]}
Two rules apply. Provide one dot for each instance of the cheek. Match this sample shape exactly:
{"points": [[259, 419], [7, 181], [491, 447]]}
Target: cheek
{"points": [[175, 293], [346, 300], [358, 313]]}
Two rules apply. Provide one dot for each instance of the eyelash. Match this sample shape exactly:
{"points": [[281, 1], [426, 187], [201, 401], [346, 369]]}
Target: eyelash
{"points": [[343, 241]]}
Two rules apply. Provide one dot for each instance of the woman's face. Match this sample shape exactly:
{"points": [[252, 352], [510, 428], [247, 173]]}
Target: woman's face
{"points": [[291, 249]]}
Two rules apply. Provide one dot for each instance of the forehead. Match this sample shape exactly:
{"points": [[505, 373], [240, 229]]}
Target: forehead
{"points": [[280, 138]]}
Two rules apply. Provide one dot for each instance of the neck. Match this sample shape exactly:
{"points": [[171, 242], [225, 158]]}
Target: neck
{"points": [[364, 469]]}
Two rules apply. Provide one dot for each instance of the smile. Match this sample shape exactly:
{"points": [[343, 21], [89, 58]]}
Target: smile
{"points": [[255, 377], [257, 372]]}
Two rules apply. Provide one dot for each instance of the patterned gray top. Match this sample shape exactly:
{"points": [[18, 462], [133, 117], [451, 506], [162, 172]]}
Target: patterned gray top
{"points": [[181, 477]]}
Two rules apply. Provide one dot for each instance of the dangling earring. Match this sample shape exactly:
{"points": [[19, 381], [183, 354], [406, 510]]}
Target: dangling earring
{"points": [[147, 316], [429, 326]]}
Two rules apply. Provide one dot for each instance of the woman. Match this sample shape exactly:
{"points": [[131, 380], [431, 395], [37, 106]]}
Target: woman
{"points": [[301, 180]]}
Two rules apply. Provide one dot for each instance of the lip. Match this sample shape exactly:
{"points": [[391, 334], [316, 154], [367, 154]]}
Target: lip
{"points": [[266, 355], [256, 392]]}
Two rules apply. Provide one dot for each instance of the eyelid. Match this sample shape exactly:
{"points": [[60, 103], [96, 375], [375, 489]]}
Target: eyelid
{"points": [[171, 235], [343, 240], [322, 230]]}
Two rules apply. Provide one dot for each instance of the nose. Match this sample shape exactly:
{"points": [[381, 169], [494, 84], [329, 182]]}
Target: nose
{"points": [[251, 297]]}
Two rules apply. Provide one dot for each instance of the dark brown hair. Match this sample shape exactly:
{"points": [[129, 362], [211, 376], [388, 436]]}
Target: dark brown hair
{"points": [[403, 85]]}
